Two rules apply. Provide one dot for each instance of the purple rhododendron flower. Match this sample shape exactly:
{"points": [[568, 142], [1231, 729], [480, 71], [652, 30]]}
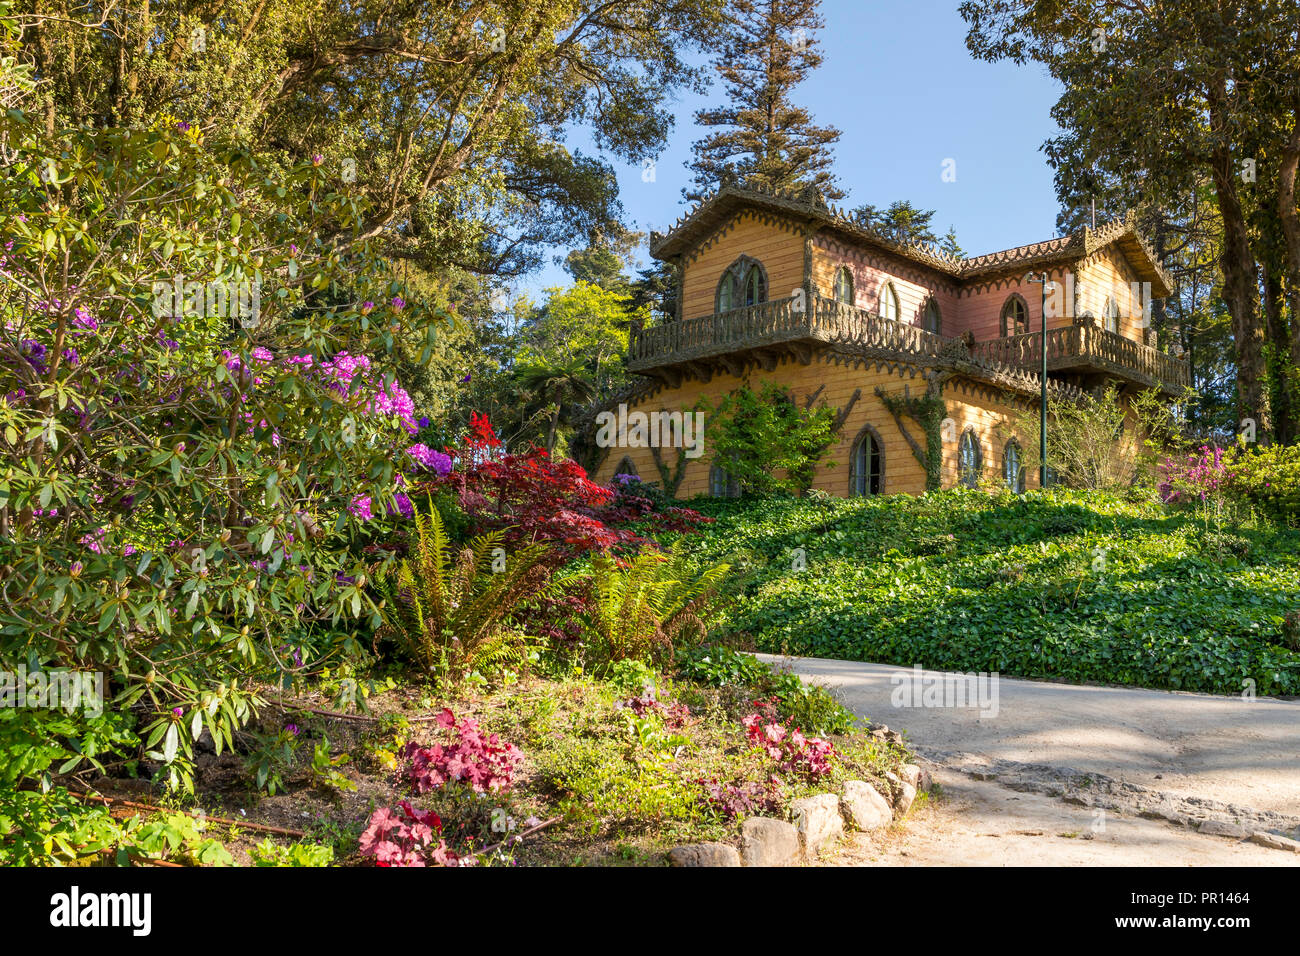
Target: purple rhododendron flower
{"points": [[360, 507], [434, 461]]}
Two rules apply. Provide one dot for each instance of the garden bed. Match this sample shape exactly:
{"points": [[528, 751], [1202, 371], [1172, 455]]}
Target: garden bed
{"points": [[607, 775]]}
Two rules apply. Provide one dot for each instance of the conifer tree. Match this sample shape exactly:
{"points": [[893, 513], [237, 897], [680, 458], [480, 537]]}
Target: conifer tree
{"points": [[761, 138]]}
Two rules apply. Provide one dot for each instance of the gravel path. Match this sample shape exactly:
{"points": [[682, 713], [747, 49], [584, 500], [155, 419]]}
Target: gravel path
{"points": [[1060, 774]]}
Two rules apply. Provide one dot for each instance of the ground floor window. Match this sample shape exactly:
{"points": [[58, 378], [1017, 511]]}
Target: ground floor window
{"points": [[1013, 471], [867, 468], [721, 484], [969, 459]]}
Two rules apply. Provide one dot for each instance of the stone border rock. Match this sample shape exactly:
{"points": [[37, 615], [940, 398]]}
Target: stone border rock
{"points": [[819, 821]]}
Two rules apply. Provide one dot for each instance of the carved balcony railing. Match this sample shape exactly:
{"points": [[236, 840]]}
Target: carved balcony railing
{"points": [[1087, 348], [795, 324], [781, 322]]}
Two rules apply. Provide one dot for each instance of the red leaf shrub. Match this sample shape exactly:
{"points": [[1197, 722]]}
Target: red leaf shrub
{"points": [[674, 715], [405, 836], [535, 498], [794, 753], [470, 756], [748, 797]]}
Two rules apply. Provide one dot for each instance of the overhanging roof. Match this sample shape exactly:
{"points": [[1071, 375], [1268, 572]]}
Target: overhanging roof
{"points": [[809, 208]]}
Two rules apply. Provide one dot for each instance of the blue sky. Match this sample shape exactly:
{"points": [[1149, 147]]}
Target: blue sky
{"points": [[898, 82]]}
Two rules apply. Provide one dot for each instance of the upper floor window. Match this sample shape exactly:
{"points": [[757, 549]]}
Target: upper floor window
{"points": [[1013, 471], [1015, 316], [888, 301], [743, 284], [1110, 315], [930, 320], [867, 464], [844, 285], [970, 459]]}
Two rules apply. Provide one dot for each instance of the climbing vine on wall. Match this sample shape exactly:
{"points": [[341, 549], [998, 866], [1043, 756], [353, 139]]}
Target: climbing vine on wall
{"points": [[672, 477], [928, 411]]}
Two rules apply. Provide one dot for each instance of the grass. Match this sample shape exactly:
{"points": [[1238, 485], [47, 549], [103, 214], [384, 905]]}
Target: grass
{"points": [[1074, 586]]}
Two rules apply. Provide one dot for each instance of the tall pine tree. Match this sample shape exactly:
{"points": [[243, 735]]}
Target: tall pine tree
{"points": [[761, 138]]}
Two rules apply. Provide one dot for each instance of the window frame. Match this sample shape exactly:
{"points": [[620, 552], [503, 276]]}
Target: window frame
{"points": [[970, 479], [735, 281], [846, 274], [1015, 299], [730, 485], [1017, 482], [856, 477], [887, 290], [1110, 315], [932, 307]]}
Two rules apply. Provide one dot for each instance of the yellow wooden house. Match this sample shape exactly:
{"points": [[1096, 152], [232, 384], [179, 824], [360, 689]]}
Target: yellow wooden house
{"points": [[784, 288]]}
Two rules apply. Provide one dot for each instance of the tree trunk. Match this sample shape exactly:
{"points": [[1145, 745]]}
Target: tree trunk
{"points": [[1289, 216], [1240, 294]]}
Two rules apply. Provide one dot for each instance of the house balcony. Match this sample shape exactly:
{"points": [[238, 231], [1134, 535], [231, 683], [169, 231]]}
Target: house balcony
{"points": [[1085, 351], [762, 334]]}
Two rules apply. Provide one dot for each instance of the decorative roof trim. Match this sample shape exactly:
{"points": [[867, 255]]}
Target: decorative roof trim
{"points": [[808, 205]]}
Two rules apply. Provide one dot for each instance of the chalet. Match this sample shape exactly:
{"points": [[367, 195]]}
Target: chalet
{"points": [[784, 288]]}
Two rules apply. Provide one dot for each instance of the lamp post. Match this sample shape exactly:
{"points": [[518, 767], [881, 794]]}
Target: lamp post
{"points": [[1041, 279]]}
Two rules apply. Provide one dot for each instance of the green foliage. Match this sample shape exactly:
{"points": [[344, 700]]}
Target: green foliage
{"points": [[451, 611], [645, 605], [270, 853], [36, 743], [632, 676], [43, 829], [716, 666], [1268, 478], [476, 175], [810, 707], [759, 435], [177, 835], [270, 757], [324, 769], [1076, 586]]}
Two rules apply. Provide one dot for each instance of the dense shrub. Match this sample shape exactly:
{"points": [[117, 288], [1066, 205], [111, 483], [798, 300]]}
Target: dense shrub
{"points": [[183, 491], [769, 444], [1268, 478]]}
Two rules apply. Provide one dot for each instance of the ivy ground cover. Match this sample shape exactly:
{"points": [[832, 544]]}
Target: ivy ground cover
{"points": [[1072, 586]]}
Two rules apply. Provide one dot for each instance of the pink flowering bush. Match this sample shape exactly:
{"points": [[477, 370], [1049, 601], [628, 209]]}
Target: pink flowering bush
{"points": [[793, 753], [469, 756], [1199, 476], [405, 836], [1265, 477]]}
